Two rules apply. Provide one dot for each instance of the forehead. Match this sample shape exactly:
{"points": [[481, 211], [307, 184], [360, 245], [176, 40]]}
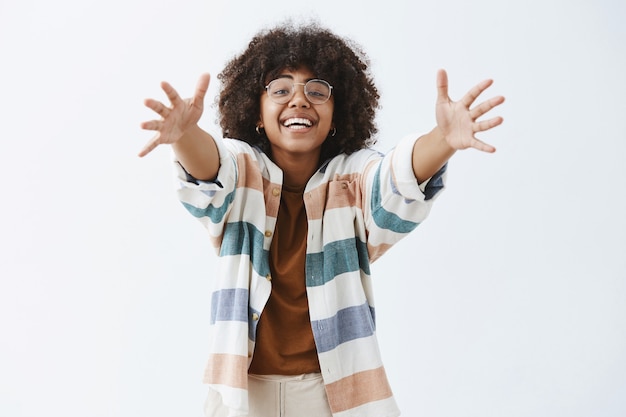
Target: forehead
{"points": [[298, 74]]}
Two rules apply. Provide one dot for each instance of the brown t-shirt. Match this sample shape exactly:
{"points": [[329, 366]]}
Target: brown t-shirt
{"points": [[284, 339]]}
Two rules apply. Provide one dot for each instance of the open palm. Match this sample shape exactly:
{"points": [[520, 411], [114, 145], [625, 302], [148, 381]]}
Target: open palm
{"points": [[176, 119], [457, 120]]}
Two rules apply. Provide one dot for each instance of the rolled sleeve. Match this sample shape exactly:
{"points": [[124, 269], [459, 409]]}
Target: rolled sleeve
{"points": [[404, 176], [209, 201]]}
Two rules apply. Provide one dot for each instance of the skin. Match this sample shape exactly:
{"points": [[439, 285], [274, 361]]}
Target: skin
{"points": [[297, 153], [196, 149], [296, 150], [456, 128]]}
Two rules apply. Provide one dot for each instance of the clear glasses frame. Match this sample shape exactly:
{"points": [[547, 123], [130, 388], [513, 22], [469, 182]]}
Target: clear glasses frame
{"points": [[282, 90]]}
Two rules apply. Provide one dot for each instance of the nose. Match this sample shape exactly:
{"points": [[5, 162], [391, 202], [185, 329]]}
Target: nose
{"points": [[299, 97]]}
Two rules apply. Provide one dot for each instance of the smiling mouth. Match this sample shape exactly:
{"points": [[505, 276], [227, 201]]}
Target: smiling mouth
{"points": [[297, 123]]}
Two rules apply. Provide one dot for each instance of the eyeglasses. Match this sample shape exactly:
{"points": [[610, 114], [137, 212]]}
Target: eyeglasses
{"points": [[281, 90]]}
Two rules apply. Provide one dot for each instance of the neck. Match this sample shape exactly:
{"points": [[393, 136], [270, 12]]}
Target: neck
{"points": [[297, 169]]}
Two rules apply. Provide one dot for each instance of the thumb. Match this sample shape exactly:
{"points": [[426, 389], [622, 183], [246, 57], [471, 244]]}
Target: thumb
{"points": [[442, 86]]}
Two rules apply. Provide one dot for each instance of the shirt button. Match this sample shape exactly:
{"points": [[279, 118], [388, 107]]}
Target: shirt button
{"points": [[255, 316], [275, 192], [344, 185], [268, 233]]}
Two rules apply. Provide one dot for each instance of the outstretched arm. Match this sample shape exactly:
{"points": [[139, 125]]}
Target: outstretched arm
{"points": [[195, 149], [456, 126]]}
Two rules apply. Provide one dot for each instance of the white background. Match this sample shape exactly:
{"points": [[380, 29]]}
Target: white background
{"points": [[510, 300]]}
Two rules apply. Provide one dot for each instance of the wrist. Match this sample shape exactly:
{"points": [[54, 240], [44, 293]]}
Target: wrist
{"points": [[441, 141]]}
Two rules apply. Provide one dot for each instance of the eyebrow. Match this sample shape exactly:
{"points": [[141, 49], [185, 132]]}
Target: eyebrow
{"points": [[291, 77]]}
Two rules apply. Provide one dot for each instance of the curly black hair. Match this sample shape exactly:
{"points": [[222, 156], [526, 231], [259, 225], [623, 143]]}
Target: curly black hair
{"points": [[337, 60]]}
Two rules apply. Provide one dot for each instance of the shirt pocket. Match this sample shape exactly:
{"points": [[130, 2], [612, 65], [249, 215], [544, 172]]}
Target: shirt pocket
{"points": [[342, 194]]}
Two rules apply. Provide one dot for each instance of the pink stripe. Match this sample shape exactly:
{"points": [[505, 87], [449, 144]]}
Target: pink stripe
{"points": [[225, 369], [249, 176], [375, 252], [345, 191], [358, 389], [272, 197], [341, 191]]}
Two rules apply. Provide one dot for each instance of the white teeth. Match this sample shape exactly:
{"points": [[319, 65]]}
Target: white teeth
{"points": [[297, 121]]}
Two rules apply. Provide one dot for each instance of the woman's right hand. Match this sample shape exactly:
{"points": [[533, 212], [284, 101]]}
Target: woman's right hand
{"points": [[175, 120]]}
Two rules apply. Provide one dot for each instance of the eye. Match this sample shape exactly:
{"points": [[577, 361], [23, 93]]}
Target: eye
{"points": [[280, 92], [316, 93], [280, 88], [317, 89]]}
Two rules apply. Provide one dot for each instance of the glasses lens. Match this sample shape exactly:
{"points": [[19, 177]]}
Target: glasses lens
{"points": [[317, 91], [280, 90]]}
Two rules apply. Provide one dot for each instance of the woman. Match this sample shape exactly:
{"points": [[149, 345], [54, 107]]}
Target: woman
{"points": [[298, 206]]}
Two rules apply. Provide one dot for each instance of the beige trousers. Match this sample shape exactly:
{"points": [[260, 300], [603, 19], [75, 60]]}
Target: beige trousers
{"points": [[279, 396]]}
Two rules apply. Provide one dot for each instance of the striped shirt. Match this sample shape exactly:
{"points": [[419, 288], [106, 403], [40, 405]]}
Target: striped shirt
{"points": [[357, 207]]}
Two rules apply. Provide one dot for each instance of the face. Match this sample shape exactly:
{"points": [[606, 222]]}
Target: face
{"points": [[296, 128]]}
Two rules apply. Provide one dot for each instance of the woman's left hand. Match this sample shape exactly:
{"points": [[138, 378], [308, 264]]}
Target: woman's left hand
{"points": [[457, 120]]}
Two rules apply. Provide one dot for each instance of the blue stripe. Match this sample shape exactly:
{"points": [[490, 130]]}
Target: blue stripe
{"points": [[232, 305], [242, 238], [229, 305], [252, 324], [435, 184], [348, 324], [216, 214], [338, 257], [386, 219]]}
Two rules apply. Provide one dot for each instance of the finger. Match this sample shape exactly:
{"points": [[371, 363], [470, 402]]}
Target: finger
{"points": [[171, 93], [442, 86], [152, 125], [485, 106], [154, 142], [482, 146], [157, 107], [487, 124], [201, 88], [472, 94]]}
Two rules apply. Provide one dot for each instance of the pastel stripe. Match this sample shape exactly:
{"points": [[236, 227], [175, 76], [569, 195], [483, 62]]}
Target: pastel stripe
{"points": [[314, 201], [348, 324], [215, 213], [229, 305], [232, 305], [272, 198], [344, 191], [337, 258], [435, 184], [376, 251], [246, 175], [357, 206], [226, 369], [386, 219], [358, 389], [243, 238], [355, 289]]}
